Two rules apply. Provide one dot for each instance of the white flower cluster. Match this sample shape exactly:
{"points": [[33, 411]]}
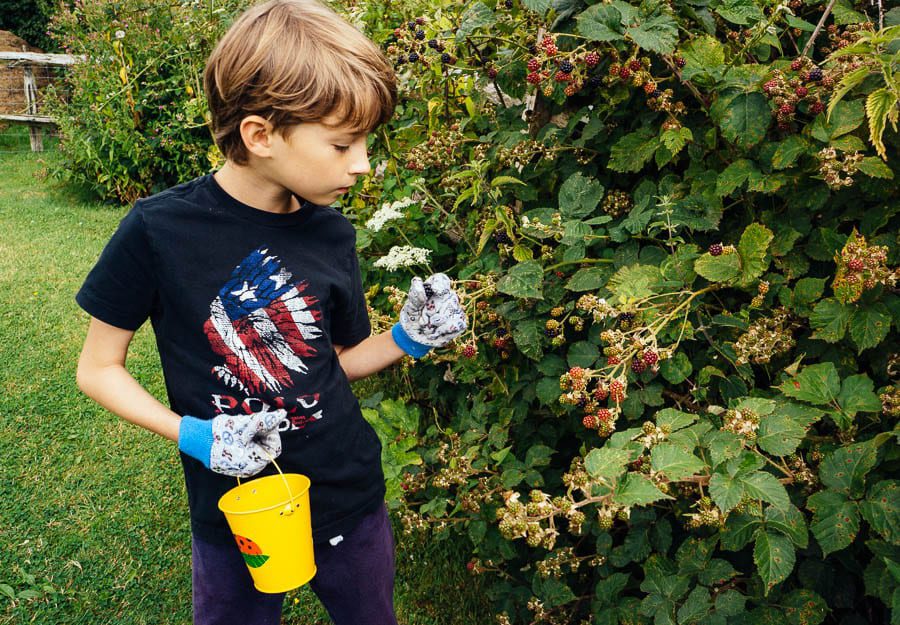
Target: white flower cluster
{"points": [[387, 212], [403, 256]]}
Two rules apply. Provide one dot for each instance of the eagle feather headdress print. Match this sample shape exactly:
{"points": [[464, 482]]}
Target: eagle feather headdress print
{"points": [[261, 323]]}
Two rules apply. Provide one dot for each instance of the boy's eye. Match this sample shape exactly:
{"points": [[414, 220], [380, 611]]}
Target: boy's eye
{"points": [[342, 148]]}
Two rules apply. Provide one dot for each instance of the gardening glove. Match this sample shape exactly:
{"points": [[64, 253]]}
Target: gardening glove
{"points": [[236, 445], [431, 316]]}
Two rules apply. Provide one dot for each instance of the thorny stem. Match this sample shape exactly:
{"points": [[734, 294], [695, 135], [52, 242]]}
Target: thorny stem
{"points": [[815, 33]]}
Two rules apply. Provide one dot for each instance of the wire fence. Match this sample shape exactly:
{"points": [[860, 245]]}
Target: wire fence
{"points": [[25, 125]]}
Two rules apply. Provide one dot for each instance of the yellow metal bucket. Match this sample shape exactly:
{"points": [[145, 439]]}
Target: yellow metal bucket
{"points": [[270, 520]]}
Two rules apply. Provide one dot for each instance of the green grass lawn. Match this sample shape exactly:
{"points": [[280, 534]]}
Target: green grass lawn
{"points": [[93, 511]]}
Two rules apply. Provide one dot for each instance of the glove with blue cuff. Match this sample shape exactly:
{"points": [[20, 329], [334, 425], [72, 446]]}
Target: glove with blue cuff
{"points": [[235, 445], [431, 317]]}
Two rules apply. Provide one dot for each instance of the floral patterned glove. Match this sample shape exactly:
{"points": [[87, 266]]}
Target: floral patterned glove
{"points": [[431, 316], [236, 445]]}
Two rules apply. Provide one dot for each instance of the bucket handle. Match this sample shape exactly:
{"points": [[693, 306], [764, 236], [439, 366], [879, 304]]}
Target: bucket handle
{"points": [[288, 508]]}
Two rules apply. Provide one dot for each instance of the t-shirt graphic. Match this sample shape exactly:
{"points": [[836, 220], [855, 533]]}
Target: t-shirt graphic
{"points": [[261, 323]]}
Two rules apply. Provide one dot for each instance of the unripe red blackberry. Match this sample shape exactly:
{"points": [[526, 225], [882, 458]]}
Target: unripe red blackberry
{"points": [[433, 44], [534, 78], [617, 391], [592, 59], [613, 360], [801, 91], [561, 76], [590, 421], [570, 90], [601, 393], [680, 61], [816, 107], [649, 87], [828, 81], [469, 351], [770, 86], [637, 365], [492, 72], [715, 249], [420, 21], [534, 65], [650, 358], [625, 73], [856, 264], [604, 415], [786, 108], [634, 65], [796, 64]]}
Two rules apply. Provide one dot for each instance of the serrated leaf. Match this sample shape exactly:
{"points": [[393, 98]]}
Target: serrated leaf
{"points": [[695, 607], [835, 520], [722, 268], [847, 116], [674, 419], [740, 11], [725, 491], [881, 509], [746, 119], [637, 490], [705, 56], [874, 168], [779, 435], [752, 248], [869, 325], [635, 282], [589, 278], [829, 320], [788, 151], [600, 22], [658, 34], [477, 15], [522, 253], [804, 607], [674, 462], [790, 522], [739, 530], [724, 445], [817, 384], [774, 557], [734, 176], [583, 354], [548, 391], [879, 105], [631, 152], [523, 280], [579, 196], [606, 464], [844, 470], [527, 337], [765, 486], [675, 139], [676, 369], [848, 82], [857, 395]]}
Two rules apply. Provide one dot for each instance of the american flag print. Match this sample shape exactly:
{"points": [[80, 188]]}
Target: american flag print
{"points": [[261, 323]]}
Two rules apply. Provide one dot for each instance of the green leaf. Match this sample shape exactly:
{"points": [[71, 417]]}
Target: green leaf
{"points": [[739, 530], [829, 319], [740, 11], [548, 391], [746, 119], [857, 395], [790, 522], [808, 290], [637, 490], [477, 15], [695, 607], [879, 105], [844, 470], [835, 520], [523, 280], [774, 557], [804, 607], [553, 592], [601, 22], [722, 268], [817, 384], [631, 152], [527, 337], [725, 491], [874, 168], [583, 354], [848, 82], [538, 6], [704, 56], [880, 509], [658, 34], [724, 445], [788, 151], [734, 176], [752, 250], [676, 139], [869, 325], [606, 464], [589, 278], [579, 196], [779, 435], [846, 117], [675, 462], [674, 419], [765, 486], [635, 282], [676, 369]]}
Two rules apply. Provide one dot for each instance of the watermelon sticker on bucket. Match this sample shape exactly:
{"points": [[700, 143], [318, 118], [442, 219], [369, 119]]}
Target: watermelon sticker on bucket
{"points": [[253, 555]]}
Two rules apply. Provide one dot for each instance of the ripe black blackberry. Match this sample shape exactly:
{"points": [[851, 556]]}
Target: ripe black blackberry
{"points": [[815, 74], [420, 35], [445, 58], [532, 48], [638, 366], [411, 25], [413, 57], [656, 93], [509, 4], [566, 67], [433, 44], [594, 82], [502, 237], [501, 332]]}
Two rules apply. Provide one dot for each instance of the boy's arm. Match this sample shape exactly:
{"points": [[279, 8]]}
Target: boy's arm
{"points": [[102, 376], [369, 356]]}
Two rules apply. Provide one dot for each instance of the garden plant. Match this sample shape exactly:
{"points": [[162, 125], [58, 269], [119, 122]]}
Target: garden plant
{"points": [[675, 227]]}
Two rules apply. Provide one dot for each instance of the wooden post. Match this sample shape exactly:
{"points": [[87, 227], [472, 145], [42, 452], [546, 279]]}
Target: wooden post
{"points": [[37, 139]]}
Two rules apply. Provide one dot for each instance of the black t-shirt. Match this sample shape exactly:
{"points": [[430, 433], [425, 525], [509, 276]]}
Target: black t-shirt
{"points": [[246, 306]]}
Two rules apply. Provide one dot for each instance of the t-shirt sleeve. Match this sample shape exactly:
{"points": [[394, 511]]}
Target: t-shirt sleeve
{"points": [[350, 323], [121, 288]]}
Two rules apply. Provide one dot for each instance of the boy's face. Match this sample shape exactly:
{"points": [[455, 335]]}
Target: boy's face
{"points": [[318, 161]]}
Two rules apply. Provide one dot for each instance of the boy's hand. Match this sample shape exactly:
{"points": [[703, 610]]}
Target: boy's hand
{"points": [[236, 445], [431, 316]]}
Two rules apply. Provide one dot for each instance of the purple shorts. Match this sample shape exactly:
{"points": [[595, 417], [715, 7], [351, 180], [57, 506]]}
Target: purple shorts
{"points": [[354, 580]]}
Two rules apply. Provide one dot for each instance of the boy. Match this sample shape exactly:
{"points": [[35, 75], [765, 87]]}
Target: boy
{"points": [[253, 288]]}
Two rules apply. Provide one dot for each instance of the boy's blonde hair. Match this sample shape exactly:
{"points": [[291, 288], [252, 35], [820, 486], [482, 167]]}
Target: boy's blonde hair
{"points": [[292, 61]]}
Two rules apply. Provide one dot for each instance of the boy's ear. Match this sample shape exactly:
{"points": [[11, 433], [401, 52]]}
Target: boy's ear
{"points": [[256, 132]]}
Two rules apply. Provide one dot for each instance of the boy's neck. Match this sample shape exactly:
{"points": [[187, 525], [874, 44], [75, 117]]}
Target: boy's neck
{"points": [[248, 187]]}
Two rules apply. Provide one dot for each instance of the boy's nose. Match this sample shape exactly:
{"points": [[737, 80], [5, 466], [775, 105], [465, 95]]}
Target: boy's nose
{"points": [[360, 165]]}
